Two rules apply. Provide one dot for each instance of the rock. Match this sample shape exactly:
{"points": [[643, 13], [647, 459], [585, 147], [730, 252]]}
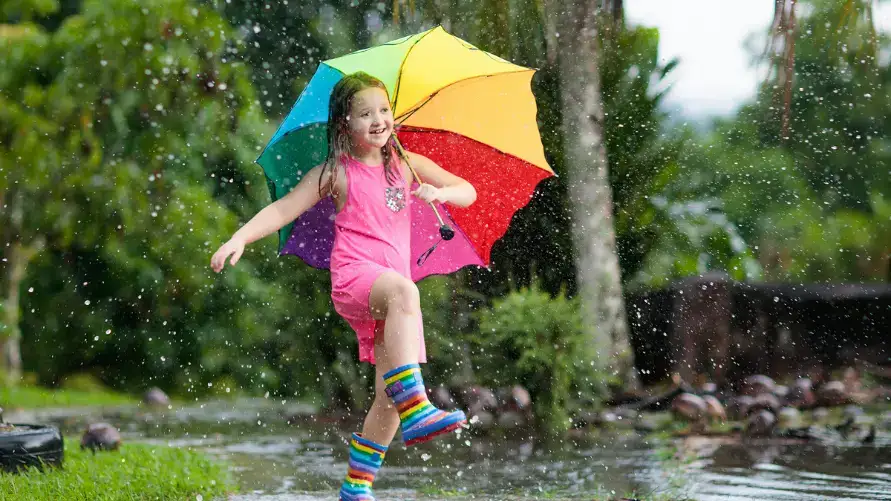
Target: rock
{"points": [[441, 397], [738, 407], [789, 417], [757, 384], [862, 397], [511, 420], [851, 380], [521, 398], [820, 415], [760, 424], [480, 398], [515, 398], [606, 417], [852, 412], [482, 420], [100, 436], [689, 407], [714, 409], [870, 436], [709, 388], [781, 391], [801, 394], [833, 393], [765, 401], [155, 397], [882, 394]]}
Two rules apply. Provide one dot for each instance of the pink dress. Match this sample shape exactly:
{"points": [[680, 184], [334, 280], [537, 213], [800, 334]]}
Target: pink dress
{"points": [[371, 236]]}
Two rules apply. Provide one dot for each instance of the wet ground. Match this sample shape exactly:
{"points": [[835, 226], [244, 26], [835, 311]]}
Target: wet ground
{"points": [[276, 461]]}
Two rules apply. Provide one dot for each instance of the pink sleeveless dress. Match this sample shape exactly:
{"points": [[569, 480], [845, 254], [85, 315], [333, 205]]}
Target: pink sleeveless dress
{"points": [[372, 235]]}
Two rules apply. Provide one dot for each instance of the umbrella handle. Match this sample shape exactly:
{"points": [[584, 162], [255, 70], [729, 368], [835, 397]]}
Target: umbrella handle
{"points": [[445, 231]]}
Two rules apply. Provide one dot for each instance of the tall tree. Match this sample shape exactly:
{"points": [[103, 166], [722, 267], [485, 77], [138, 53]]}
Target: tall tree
{"points": [[576, 40], [124, 137]]}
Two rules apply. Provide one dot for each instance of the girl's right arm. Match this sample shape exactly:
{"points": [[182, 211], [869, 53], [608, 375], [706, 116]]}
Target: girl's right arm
{"points": [[271, 218]]}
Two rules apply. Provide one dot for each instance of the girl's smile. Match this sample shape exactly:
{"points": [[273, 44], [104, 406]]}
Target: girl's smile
{"points": [[370, 119]]}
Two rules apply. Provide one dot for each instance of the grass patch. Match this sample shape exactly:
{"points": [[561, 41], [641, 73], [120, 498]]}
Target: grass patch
{"points": [[32, 397], [136, 472]]}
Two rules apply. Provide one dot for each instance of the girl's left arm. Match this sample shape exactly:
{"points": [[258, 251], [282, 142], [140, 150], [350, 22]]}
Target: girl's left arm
{"points": [[440, 185]]}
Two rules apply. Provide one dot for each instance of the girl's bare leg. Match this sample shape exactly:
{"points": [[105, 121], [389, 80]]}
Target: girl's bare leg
{"points": [[395, 300], [382, 420]]}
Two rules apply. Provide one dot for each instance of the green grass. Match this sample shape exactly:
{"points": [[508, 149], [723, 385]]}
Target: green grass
{"points": [[32, 397], [136, 472]]}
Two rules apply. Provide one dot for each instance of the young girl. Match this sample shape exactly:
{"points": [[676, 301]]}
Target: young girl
{"points": [[370, 263]]}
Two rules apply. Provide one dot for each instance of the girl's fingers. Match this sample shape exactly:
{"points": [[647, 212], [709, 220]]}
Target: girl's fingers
{"points": [[218, 261], [235, 257], [425, 192]]}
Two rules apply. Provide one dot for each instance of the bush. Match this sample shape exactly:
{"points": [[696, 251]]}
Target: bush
{"points": [[540, 342]]}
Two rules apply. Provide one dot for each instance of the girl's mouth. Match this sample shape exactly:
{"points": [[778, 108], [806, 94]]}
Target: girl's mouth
{"points": [[375, 132]]}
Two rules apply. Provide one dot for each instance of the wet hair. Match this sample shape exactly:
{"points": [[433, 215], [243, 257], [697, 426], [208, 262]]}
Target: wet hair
{"points": [[338, 127]]}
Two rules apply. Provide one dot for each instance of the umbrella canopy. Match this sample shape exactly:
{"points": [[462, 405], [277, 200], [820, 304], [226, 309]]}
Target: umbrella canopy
{"points": [[469, 111]]}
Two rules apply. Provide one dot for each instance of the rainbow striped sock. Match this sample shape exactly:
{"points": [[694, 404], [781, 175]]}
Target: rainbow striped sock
{"points": [[366, 458], [420, 420]]}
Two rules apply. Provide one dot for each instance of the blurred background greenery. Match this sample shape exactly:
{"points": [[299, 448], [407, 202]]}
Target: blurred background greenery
{"points": [[129, 131]]}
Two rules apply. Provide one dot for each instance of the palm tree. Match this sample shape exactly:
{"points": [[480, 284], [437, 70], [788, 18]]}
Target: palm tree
{"points": [[781, 48]]}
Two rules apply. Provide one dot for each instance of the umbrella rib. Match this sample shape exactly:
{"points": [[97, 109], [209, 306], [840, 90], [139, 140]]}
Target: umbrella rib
{"points": [[407, 114], [402, 66]]}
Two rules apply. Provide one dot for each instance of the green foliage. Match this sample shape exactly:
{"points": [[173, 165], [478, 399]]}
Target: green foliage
{"points": [[540, 342], [136, 138], [136, 472], [127, 138]]}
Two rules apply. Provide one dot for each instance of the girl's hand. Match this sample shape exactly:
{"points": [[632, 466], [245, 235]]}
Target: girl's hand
{"points": [[234, 247], [429, 193]]}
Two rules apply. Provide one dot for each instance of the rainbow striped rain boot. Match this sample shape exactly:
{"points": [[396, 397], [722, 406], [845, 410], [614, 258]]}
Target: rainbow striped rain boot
{"points": [[420, 420], [366, 458]]}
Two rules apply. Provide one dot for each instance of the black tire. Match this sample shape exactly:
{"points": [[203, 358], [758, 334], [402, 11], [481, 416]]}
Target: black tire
{"points": [[30, 445]]}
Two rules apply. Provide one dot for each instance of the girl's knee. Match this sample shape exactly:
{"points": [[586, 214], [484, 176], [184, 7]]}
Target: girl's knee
{"points": [[404, 297]]}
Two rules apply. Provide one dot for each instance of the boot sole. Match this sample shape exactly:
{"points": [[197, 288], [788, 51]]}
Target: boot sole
{"points": [[430, 436]]}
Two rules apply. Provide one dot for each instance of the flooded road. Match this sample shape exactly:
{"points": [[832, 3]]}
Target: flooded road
{"points": [[277, 461]]}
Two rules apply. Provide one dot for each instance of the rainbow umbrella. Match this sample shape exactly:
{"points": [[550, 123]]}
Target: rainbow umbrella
{"points": [[471, 112]]}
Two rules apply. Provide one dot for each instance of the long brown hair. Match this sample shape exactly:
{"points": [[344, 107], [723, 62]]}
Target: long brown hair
{"points": [[338, 128]]}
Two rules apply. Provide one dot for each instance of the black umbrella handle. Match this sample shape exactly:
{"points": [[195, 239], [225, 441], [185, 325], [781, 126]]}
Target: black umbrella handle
{"points": [[445, 231]]}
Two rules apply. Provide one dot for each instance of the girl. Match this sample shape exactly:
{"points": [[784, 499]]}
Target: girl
{"points": [[370, 264]]}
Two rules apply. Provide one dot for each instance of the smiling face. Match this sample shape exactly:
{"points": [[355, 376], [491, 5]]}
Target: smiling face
{"points": [[370, 119]]}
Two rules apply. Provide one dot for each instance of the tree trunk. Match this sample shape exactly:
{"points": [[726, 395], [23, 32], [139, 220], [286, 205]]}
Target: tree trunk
{"points": [[18, 257], [597, 264]]}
